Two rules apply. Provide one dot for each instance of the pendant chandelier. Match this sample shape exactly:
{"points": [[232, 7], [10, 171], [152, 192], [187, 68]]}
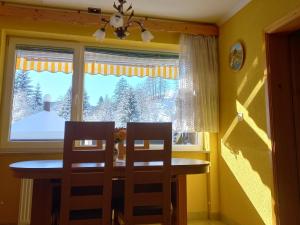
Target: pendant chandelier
{"points": [[121, 21]]}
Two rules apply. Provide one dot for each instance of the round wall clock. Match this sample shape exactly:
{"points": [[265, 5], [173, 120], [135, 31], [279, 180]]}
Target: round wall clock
{"points": [[236, 57]]}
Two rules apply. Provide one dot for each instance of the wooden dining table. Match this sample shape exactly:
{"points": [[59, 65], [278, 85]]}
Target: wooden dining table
{"points": [[46, 175]]}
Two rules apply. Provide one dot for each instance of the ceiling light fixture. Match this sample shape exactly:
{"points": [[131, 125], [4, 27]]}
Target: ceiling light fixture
{"points": [[120, 22]]}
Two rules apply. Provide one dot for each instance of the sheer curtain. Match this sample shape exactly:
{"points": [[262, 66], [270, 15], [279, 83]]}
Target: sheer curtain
{"points": [[198, 99]]}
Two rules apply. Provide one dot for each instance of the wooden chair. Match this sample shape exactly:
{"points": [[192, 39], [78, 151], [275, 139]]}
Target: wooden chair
{"points": [[85, 193], [148, 187]]}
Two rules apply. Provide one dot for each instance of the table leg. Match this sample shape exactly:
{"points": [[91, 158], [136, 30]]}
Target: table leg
{"points": [[41, 202], [179, 201]]}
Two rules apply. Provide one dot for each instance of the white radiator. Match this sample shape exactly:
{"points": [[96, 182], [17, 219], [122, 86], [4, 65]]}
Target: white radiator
{"points": [[25, 201]]}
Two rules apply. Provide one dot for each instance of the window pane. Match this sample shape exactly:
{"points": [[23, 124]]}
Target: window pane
{"points": [[119, 87], [42, 93]]}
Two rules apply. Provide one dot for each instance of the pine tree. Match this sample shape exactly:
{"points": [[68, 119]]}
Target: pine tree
{"points": [[86, 104], [100, 101], [132, 110], [37, 102], [107, 109], [120, 91], [22, 102], [20, 107], [65, 105], [103, 112], [22, 82], [120, 102]]}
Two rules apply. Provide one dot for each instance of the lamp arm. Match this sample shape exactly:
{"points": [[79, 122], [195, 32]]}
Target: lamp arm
{"points": [[105, 21], [139, 23]]}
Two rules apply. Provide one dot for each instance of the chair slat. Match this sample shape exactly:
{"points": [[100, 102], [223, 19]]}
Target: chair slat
{"points": [[156, 131], [87, 179], [86, 202], [147, 199]]}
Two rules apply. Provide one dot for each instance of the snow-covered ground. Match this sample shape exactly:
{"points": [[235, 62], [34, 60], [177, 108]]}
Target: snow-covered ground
{"points": [[39, 126]]}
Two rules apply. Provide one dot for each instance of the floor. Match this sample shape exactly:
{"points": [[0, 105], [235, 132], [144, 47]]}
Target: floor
{"points": [[205, 222]]}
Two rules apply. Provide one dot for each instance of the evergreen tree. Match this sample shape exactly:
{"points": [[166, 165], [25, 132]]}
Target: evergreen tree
{"points": [[65, 105], [102, 112], [120, 92], [22, 82], [37, 102], [132, 110], [20, 107], [100, 101], [86, 104], [120, 102], [156, 87], [22, 102], [107, 109]]}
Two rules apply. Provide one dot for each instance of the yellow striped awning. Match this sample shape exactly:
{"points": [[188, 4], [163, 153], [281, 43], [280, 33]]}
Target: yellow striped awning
{"points": [[96, 68]]}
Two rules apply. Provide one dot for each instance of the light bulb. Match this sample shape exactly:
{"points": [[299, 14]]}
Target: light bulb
{"points": [[146, 35], [99, 34], [116, 20]]}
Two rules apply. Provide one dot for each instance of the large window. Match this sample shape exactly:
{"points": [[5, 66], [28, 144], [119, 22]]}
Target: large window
{"points": [[51, 83]]}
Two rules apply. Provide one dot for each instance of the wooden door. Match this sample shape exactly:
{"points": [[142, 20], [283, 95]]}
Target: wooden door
{"points": [[294, 41], [283, 51]]}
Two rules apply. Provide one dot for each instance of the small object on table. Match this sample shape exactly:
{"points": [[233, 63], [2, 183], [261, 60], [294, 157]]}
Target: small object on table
{"points": [[119, 138]]}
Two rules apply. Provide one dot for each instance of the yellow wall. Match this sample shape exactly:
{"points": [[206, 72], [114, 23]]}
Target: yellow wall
{"points": [[9, 186], [245, 166]]}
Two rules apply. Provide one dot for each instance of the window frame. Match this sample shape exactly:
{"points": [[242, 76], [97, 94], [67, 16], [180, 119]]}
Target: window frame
{"points": [[44, 146]]}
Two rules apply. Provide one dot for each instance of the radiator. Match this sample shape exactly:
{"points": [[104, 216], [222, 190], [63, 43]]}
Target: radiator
{"points": [[25, 201]]}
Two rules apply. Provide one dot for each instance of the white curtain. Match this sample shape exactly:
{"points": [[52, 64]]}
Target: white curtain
{"points": [[198, 100]]}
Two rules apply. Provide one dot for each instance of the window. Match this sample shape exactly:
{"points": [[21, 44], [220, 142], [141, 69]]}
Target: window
{"points": [[42, 94], [47, 89]]}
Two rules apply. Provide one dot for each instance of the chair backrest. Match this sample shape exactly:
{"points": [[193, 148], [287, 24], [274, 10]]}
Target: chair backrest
{"points": [[144, 205], [86, 193], [122, 149]]}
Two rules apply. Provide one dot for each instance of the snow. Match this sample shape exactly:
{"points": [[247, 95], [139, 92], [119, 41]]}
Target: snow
{"points": [[41, 125]]}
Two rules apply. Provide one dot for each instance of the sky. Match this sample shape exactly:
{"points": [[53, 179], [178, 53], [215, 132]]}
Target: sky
{"points": [[57, 84]]}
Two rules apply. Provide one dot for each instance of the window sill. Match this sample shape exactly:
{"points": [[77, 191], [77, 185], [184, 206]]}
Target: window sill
{"points": [[35, 150], [30, 151], [191, 150]]}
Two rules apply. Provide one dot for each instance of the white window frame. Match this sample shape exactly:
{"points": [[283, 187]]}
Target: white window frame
{"points": [[77, 98], [36, 146]]}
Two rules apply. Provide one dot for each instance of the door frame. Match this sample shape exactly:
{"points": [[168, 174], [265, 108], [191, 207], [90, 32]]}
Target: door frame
{"points": [[282, 122]]}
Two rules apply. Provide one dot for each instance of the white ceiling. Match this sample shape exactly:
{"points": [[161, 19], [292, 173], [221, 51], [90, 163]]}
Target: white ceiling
{"points": [[212, 11]]}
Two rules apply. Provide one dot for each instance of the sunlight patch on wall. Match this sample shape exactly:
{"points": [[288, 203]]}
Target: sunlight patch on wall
{"points": [[257, 192], [245, 79], [243, 84], [254, 92], [260, 132], [230, 129], [242, 108]]}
